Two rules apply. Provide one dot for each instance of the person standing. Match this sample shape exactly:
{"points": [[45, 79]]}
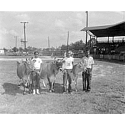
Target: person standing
{"points": [[87, 73], [36, 67], [67, 67]]}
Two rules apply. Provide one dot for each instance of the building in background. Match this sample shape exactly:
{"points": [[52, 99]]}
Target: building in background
{"points": [[2, 51]]}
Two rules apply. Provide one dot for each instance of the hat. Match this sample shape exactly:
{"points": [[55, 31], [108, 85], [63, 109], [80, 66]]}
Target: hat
{"points": [[36, 53], [70, 52], [87, 48]]}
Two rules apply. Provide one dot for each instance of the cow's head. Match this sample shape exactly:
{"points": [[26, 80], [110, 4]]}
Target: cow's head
{"points": [[58, 63]]}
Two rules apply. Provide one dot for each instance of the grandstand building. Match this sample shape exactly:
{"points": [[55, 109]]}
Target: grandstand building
{"points": [[107, 41]]}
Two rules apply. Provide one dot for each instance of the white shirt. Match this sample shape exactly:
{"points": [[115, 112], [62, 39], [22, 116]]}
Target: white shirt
{"points": [[68, 64], [89, 62], [37, 62]]}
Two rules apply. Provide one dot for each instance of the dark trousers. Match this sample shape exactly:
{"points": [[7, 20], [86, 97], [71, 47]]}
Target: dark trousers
{"points": [[35, 79], [86, 77], [67, 80]]}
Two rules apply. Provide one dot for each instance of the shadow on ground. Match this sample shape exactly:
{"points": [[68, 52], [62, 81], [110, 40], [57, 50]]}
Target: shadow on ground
{"points": [[112, 61], [57, 88], [11, 89]]}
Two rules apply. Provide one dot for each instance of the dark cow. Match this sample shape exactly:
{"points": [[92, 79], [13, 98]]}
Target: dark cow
{"points": [[49, 71], [23, 72]]}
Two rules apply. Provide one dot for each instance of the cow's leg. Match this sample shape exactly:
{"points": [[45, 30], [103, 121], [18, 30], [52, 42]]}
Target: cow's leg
{"points": [[20, 82], [53, 83], [24, 91], [76, 78], [64, 81], [37, 83], [44, 83], [50, 85], [30, 87], [24, 87], [33, 84]]}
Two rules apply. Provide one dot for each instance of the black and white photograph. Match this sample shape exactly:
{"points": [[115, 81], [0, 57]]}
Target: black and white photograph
{"points": [[62, 62]]}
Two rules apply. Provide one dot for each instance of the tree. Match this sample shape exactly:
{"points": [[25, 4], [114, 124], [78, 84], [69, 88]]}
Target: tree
{"points": [[20, 49], [5, 50], [15, 49]]}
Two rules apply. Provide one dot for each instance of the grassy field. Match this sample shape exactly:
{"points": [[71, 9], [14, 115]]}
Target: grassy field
{"points": [[106, 97]]}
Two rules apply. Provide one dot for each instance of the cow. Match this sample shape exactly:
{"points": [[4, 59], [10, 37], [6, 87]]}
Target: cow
{"points": [[49, 70], [23, 72], [77, 68]]}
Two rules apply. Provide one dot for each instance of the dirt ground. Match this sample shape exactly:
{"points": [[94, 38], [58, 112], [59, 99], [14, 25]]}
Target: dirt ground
{"points": [[107, 95]]}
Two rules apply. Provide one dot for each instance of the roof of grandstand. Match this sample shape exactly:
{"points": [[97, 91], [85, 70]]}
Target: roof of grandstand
{"points": [[107, 30]]}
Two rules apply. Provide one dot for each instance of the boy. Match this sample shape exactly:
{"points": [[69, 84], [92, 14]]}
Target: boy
{"points": [[67, 66], [36, 66], [87, 74]]}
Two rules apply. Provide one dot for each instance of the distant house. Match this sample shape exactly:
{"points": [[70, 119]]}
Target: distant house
{"points": [[2, 52]]}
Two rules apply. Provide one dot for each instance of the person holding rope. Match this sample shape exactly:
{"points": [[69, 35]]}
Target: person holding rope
{"points": [[87, 73], [67, 69], [36, 68]]}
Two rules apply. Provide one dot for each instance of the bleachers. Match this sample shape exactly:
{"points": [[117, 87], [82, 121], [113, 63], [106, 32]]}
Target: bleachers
{"points": [[110, 51]]}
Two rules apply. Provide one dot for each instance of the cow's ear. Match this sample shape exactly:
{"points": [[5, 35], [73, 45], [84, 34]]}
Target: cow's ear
{"points": [[18, 62]]}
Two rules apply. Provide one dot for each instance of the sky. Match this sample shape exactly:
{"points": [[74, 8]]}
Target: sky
{"points": [[52, 24]]}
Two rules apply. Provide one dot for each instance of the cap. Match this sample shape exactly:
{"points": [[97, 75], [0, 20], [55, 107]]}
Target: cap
{"points": [[36, 53], [70, 53]]}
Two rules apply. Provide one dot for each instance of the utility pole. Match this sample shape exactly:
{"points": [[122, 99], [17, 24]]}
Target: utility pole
{"points": [[68, 42], [86, 25], [48, 43], [24, 40], [15, 41]]}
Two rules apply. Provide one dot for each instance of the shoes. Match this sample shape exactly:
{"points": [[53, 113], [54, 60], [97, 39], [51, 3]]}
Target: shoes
{"points": [[36, 92], [84, 89], [88, 90]]}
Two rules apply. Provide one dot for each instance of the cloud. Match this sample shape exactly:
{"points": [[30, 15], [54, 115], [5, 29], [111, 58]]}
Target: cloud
{"points": [[59, 23], [12, 32], [80, 15], [3, 31], [120, 12], [23, 17], [52, 24]]}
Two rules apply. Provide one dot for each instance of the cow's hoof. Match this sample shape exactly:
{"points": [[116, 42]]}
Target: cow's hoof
{"points": [[30, 92], [76, 90], [50, 91], [18, 85], [24, 93], [38, 93]]}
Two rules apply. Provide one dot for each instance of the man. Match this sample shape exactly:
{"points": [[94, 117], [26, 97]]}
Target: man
{"points": [[36, 67], [87, 74], [67, 67]]}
